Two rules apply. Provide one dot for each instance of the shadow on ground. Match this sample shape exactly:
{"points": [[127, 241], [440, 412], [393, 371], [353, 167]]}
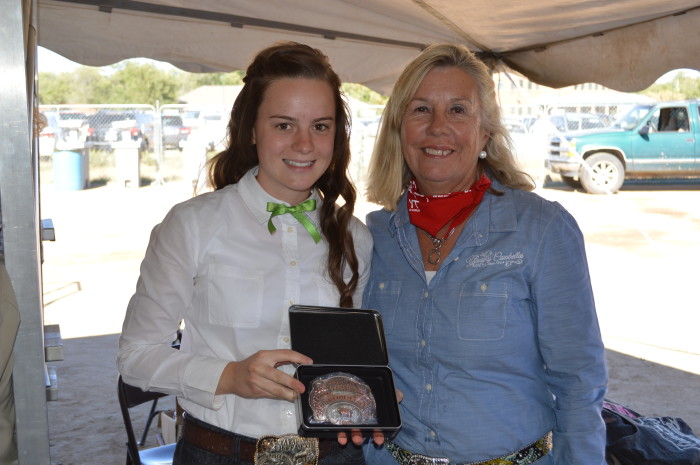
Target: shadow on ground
{"points": [[85, 421]]}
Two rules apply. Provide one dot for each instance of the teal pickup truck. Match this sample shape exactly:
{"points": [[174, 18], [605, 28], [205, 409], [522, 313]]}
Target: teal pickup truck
{"points": [[649, 141]]}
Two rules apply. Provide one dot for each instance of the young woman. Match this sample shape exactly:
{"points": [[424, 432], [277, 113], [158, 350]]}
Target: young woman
{"points": [[231, 262]]}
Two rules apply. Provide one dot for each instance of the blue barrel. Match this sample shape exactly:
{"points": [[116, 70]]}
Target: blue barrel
{"points": [[68, 171]]}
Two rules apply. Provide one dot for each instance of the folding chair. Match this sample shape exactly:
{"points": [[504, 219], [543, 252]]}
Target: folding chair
{"points": [[129, 397]]}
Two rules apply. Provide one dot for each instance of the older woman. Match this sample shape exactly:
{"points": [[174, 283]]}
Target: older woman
{"points": [[483, 286]]}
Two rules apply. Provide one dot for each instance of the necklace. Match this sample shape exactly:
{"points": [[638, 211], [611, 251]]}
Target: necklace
{"points": [[434, 256]]}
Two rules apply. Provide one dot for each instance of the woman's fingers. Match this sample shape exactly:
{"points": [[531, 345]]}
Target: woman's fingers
{"points": [[257, 376], [358, 438]]}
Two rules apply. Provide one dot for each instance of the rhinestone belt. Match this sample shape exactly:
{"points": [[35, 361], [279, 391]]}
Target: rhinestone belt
{"points": [[525, 456]]}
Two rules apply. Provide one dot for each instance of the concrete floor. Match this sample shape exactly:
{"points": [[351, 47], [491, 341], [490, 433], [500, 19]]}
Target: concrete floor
{"points": [[643, 250]]}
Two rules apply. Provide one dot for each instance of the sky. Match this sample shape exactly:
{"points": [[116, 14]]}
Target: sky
{"points": [[51, 62]]}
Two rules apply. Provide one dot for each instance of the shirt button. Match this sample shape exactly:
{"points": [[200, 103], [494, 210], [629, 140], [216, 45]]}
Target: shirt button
{"points": [[422, 342], [425, 294], [290, 229], [293, 263], [428, 387], [289, 413], [291, 302], [286, 339], [381, 285], [433, 434], [484, 287]]}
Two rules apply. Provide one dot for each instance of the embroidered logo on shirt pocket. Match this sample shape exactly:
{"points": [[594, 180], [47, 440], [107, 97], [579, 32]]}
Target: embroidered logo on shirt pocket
{"points": [[482, 310], [384, 295], [235, 296]]}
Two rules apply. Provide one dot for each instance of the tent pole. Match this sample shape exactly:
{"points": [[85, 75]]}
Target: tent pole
{"points": [[19, 202]]}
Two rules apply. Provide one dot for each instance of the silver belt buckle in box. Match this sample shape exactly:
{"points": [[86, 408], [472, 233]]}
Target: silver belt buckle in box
{"points": [[342, 399]]}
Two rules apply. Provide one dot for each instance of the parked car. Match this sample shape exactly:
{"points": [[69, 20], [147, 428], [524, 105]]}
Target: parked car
{"points": [[136, 127], [107, 127], [569, 121], [515, 125], [99, 124], [74, 129], [73, 116], [174, 131], [205, 127], [649, 141]]}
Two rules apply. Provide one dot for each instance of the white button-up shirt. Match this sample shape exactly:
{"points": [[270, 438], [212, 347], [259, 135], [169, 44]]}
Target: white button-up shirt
{"points": [[213, 263]]}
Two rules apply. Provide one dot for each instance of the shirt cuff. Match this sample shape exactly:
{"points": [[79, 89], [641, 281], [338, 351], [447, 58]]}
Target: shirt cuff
{"points": [[201, 379]]}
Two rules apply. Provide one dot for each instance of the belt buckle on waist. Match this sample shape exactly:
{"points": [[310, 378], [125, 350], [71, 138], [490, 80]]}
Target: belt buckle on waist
{"points": [[418, 459], [288, 449]]}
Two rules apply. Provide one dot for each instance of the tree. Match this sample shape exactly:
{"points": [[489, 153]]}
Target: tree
{"points": [[682, 86], [146, 84], [190, 81], [89, 86], [55, 89], [131, 82], [364, 94]]}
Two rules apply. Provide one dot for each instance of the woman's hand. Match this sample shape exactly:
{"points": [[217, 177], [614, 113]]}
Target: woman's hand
{"points": [[356, 435], [258, 377]]}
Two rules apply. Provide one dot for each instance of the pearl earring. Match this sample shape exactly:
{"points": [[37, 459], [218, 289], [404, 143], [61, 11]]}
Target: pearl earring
{"points": [[483, 154]]}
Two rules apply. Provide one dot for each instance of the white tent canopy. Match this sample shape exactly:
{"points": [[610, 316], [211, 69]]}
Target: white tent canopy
{"points": [[622, 44]]}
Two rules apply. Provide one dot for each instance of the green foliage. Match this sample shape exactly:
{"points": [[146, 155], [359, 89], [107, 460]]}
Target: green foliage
{"points": [[364, 94], [126, 82], [145, 83], [191, 81], [682, 86], [132, 82], [55, 88]]}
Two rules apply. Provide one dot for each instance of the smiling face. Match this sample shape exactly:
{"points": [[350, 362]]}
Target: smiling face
{"points": [[441, 133], [294, 134]]}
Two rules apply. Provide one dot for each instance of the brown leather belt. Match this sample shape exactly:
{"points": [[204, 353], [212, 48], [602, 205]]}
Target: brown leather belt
{"points": [[225, 444]]}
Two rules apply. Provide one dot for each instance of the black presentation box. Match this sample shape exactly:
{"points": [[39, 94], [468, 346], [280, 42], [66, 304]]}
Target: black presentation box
{"points": [[349, 341]]}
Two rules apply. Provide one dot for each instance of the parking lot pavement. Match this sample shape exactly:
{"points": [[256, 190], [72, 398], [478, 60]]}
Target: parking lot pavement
{"points": [[643, 247]]}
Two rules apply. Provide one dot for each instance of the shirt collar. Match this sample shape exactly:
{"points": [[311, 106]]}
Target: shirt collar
{"points": [[255, 198]]}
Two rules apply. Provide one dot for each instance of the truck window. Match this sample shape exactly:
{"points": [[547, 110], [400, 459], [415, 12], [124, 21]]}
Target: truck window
{"points": [[674, 119]]}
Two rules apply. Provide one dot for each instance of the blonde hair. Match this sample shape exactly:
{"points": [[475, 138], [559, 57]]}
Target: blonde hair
{"points": [[388, 173]]}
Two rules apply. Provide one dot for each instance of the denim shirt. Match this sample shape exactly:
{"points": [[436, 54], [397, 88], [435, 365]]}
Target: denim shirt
{"points": [[503, 345]]}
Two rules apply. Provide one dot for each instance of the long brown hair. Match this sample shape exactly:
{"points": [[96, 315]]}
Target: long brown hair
{"points": [[292, 60]]}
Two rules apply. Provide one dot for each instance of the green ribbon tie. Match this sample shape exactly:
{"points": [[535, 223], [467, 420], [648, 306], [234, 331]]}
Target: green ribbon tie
{"points": [[297, 212]]}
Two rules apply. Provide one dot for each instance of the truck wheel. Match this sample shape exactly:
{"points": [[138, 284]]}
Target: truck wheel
{"points": [[571, 182], [604, 174]]}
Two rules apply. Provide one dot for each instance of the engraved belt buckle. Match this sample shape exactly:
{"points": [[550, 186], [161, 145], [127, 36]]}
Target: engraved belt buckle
{"points": [[418, 459], [342, 399], [288, 449]]}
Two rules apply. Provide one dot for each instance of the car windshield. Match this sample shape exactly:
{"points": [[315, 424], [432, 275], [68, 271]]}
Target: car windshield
{"points": [[632, 118]]}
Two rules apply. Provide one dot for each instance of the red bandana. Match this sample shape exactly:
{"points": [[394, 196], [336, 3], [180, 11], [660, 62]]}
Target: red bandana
{"points": [[432, 212]]}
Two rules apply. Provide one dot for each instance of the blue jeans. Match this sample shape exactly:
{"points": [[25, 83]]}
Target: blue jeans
{"points": [[188, 454]]}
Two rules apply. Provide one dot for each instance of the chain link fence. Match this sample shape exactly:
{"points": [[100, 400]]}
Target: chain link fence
{"points": [[138, 145]]}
